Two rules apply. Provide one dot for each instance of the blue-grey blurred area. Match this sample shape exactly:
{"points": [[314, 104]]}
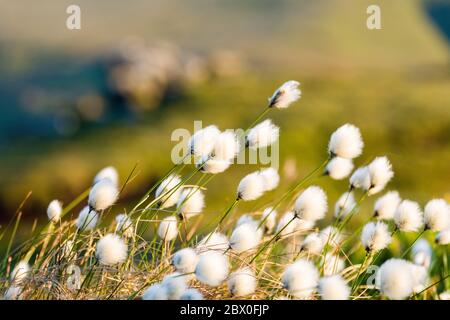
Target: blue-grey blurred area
{"points": [[111, 93]]}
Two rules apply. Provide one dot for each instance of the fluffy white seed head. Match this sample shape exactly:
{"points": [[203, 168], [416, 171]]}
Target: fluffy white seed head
{"points": [[175, 284], [360, 179], [13, 293], [169, 191], [332, 264], [395, 279], [87, 219], [346, 142], [386, 206], [313, 244], [245, 218], [226, 146], [339, 168], [242, 282], [333, 288], [212, 268], [408, 216], [375, 236], [262, 135], [108, 173], [185, 260], [331, 236], [103, 195], [215, 242], [202, 141], [420, 277], [251, 187], [111, 250], [344, 205], [285, 95], [437, 215], [191, 202], [443, 237], [287, 224], [301, 279], [311, 205], [422, 253], [54, 211], [191, 294], [20, 272], [212, 165], [270, 177], [269, 216], [445, 295], [380, 172], [168, 228], [124, 225], [245, 237], [155, 292]]}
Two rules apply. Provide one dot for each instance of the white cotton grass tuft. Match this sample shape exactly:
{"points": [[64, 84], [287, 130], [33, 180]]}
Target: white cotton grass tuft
{"points": [[380, 173], [395, 279], [245, 218], [339, 168], [262, 135], [169, 191], [331, 236], [111, 250], [422, 253], [155, 292], [287, 224], [168, 228], [191, 202], [245, 237], [311, 205], [13, 293], [443, 237], [124, 225], [344, 205], [285, 95], [54, 210], [332, 264], [212, 165], [202, 141], [386, 206], [242, 282], [346, 142], [360, 179], [251, 187], [271, 178], [87, 219], [20, 272], [301, 279], [313, 244], [375, 236], [103, 195], [175, 285], [226, 146], [333, 288], [212, 268], [437, 215], [108, 173], [269, 216], [408, 216], [191, 294], [445, 295], [215, 241], [420, 277], [185, 260]]}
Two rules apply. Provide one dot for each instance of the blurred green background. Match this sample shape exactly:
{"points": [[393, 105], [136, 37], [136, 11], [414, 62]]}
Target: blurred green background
{"points": [[73, 102]]}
